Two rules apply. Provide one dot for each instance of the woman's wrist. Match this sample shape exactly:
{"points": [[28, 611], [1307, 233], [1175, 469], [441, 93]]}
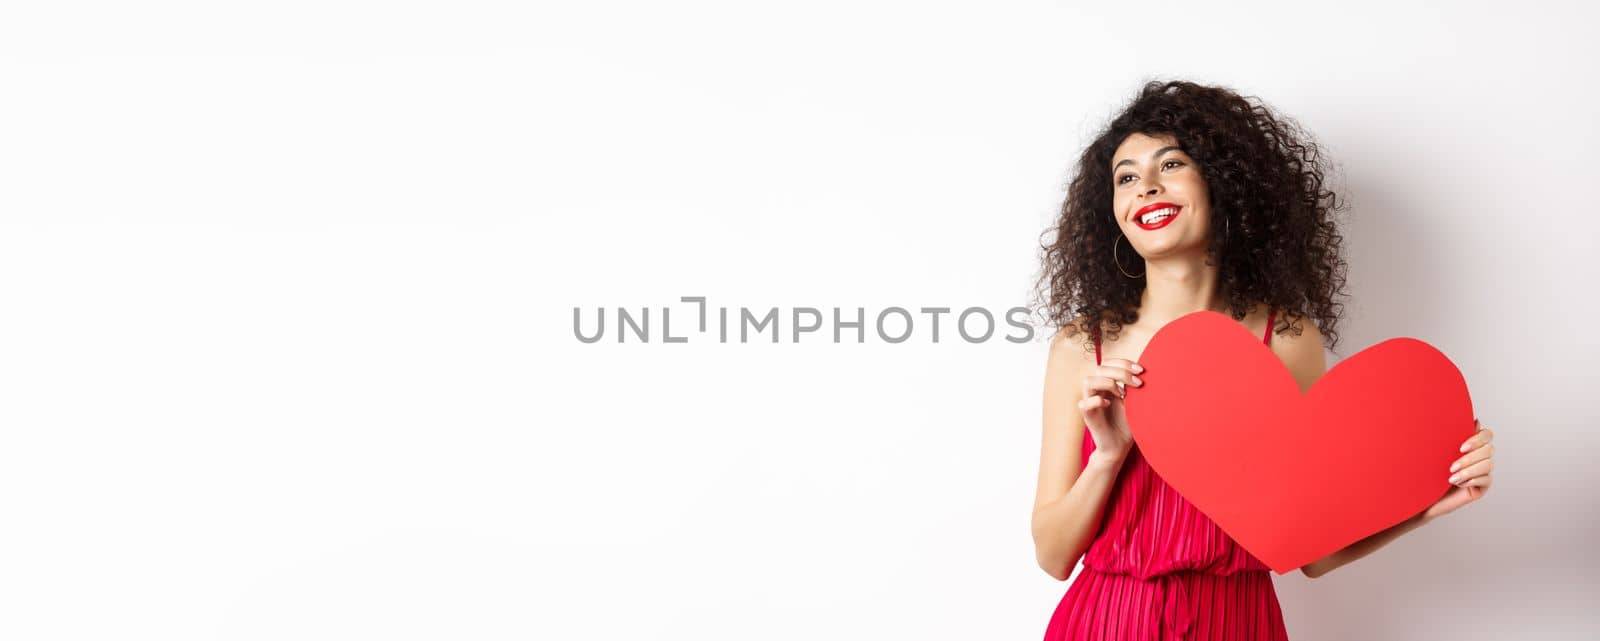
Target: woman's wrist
{"points": [[1108, 459]]}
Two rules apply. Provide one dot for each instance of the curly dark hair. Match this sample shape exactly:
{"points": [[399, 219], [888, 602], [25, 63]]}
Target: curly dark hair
{"points": [[1276, 241]]}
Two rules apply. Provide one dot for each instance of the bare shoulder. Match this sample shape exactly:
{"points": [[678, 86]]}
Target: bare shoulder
{"points": [[1298, 332], [1070, 359], [1069, 349], [1072, 339], [1301, 351]]}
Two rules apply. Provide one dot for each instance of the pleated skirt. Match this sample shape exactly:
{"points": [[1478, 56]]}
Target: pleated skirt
{"points": [[1187, 606]]}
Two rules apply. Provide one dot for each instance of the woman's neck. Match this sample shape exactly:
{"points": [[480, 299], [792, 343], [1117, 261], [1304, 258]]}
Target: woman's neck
{"points": [[1178, 286]]}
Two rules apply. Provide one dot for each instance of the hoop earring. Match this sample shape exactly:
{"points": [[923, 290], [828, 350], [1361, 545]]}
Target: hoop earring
{"points": [[1117, 260]]}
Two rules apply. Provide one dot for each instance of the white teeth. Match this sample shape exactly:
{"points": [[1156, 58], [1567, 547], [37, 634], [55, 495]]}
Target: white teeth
{"points": [[1158, 215]]}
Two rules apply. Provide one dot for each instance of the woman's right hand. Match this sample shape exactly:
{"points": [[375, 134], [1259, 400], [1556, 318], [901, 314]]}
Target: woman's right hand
{"points": [[1102, 405]]}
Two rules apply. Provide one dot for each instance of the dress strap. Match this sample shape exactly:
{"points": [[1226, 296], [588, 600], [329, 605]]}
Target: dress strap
{"points": [[1097, 346]]}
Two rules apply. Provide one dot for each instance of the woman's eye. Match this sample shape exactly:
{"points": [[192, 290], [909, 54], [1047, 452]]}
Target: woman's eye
{"points": [[1124, 178]]}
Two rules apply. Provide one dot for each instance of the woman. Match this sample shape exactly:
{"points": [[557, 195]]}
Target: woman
{"points": [[1193, 198]]}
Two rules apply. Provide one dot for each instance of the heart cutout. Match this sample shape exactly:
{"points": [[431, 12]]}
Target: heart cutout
{"points": [[1294, 477]]}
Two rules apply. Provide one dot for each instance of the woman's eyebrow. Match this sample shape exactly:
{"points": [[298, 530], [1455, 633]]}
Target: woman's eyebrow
{"points": [[1129, 161]]}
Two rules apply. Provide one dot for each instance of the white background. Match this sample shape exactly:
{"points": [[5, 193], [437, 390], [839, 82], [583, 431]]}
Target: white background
{"points": [[286, 298]]}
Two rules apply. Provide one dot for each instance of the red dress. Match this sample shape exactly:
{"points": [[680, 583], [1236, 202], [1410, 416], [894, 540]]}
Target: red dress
{"points": [[1160, 570]]}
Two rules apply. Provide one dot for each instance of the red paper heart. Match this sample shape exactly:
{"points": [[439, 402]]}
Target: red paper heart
{"points": [[1291, 477]]}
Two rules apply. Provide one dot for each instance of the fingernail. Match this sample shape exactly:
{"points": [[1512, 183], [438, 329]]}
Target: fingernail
{"points": [[1454, 466], [1136, 381], [1453, 479], [1138, 369], [1464, 446]]}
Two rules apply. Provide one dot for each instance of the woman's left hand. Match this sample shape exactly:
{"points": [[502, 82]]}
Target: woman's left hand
{"points": [[1469, 474]]}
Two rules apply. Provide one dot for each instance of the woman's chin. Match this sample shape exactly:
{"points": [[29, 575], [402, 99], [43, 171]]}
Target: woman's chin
{"points": [[1171, 247]]}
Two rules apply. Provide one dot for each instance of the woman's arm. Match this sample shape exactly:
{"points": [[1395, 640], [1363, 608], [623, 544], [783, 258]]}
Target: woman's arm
{"points": [[1070, 502]]}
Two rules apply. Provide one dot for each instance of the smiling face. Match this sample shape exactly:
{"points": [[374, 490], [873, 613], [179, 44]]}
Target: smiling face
{"points": [[1159, 197]]}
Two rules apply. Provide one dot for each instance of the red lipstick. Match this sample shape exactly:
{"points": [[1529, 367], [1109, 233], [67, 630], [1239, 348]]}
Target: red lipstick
{"points": [[1155, 207]]}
